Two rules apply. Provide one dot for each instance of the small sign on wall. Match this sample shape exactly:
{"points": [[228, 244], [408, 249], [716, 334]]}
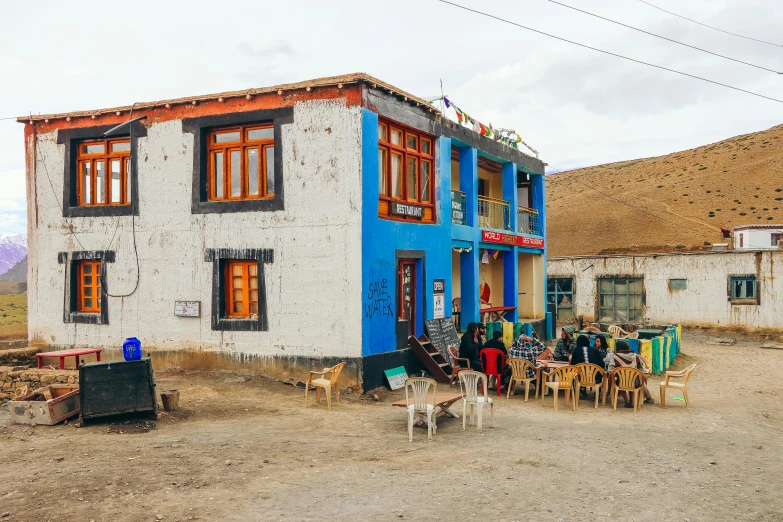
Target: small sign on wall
{"points": [[187, 308], [397, 377], [402, 209], [438, 306]]}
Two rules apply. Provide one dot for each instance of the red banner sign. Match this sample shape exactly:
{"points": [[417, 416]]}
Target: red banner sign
{"points": [[489, 236]]}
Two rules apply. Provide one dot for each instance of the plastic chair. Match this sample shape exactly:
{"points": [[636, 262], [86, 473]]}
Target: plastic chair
{"points": [[493, 362], [456, 310], [519, 373], [682, 374], [469, 382], [566, 379], [618, 333], [457, 364], [420, 387], [627, 379], [588, 378], [326, 384]]}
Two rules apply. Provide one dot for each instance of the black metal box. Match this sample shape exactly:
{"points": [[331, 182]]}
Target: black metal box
{"points": [[116, 388]]}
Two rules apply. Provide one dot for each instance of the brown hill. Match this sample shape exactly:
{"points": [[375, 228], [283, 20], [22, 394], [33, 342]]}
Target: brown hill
{"points": [[668, 203]]}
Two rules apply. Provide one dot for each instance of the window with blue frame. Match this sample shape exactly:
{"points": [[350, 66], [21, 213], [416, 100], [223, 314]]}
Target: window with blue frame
{"points": [[560, 291], [743, 288]]}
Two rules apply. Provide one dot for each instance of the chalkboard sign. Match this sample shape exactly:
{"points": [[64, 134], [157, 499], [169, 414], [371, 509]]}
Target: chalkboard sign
{"points": [[449, 332], [434, 332]]}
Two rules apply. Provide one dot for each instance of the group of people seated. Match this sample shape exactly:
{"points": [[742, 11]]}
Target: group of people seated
{"points": [[566, 350]]}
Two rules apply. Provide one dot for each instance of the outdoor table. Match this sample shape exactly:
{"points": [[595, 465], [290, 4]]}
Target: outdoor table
{"points": [[649, 333], [445, 401], [62, 354], [497, 313]]}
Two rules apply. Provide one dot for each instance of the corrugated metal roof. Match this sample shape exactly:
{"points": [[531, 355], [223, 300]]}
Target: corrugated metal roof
{"points": [[318, 82]]}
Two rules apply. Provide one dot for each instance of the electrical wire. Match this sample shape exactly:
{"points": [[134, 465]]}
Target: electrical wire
{"points": [[665, 38], [711, 27], [609, 52]]}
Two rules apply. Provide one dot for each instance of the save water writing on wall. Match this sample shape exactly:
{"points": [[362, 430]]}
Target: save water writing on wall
{"points": [[378, 301]]}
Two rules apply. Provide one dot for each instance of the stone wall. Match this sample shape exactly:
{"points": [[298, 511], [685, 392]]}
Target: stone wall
{"points": [[19, 356], [12, 378]]}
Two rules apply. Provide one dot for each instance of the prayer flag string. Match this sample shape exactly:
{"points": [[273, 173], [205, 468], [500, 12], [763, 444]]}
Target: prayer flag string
{"points": [[508, 137]]}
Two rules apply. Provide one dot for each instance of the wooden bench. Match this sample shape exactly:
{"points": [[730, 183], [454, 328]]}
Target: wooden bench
{"points": [[62, 354], [497, 313]]}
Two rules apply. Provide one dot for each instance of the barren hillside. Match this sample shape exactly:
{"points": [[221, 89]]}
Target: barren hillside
{"points": [[667, 203]]}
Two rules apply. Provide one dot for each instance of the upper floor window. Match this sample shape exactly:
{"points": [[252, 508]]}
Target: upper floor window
{"points": [[405, 172], [241, 163], [103, 167]]}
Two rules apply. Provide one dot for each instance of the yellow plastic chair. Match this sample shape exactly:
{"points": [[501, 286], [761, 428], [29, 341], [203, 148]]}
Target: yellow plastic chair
{"points": [[566, 379], [627, 379], [519, 373], [682, 374], [326, 383], [588, 378], [420, 386], [633, 335]]}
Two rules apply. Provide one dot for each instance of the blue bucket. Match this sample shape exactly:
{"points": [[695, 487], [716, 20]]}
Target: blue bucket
{"points": [[131, 349]]}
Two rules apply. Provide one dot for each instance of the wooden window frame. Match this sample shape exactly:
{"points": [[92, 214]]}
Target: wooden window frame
{"points": [[385, 193], [229, 279], [73, 309], [106, 157], [737, 300], [244, 145], [95, 286]]}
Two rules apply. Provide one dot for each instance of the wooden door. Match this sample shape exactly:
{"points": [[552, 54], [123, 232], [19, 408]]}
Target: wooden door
{"points": [[407, 293]]}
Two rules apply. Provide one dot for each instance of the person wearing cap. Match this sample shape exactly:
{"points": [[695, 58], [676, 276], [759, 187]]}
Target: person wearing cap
{"points": [[497, 342]]}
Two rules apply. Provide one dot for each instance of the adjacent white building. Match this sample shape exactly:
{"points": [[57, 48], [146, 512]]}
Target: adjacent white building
{"points": [[757, 237], [717, 289]]}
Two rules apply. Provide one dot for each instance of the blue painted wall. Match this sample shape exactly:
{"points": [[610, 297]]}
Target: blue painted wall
{"points": [[382, 238]]}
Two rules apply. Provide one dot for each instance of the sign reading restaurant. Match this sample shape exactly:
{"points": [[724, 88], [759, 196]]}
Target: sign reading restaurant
{"points": [[402, 209], [488, 236]]}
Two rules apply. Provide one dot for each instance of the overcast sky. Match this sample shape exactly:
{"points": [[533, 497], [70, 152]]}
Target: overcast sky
{"points": [[576, 106]]}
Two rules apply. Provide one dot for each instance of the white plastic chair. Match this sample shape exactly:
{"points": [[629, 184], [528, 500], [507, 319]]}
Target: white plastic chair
{"points": [[421, 407], [469, 382]]}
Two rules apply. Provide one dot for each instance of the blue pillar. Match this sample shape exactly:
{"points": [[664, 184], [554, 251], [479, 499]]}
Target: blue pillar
{"points": [[539, 203], [511, 259], [469, 261], [468, 183]]}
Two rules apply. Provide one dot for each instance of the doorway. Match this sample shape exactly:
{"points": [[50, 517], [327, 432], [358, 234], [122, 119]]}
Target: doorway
{"points": [[406, 286]]}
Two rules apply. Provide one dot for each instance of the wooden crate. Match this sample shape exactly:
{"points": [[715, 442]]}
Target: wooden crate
{"points": [[46, 406], [110, 388]]}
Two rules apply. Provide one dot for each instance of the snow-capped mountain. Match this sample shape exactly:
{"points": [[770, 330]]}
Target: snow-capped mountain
{"points": [[12, 250]]}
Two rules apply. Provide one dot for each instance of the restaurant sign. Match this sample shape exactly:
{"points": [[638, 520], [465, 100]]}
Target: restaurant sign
{"points": [[489, 236], [403, 209]]}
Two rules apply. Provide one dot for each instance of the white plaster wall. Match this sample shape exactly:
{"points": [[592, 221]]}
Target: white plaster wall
{"points": [[705, 302], [313, 287], [755, 239]]}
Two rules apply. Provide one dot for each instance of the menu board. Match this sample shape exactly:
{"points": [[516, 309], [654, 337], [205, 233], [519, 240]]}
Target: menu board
{"points": [[434, 332], [449, 332]]}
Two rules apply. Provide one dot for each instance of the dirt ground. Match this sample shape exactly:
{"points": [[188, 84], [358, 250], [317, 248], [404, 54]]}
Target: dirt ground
{"points": [[245, 448]]}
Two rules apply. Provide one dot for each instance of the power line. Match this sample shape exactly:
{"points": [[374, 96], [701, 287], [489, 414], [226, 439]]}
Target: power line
{"points": [[610, 53], [665, 38], [709, 26]]}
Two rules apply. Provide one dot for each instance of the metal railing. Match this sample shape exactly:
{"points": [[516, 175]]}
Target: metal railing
{"points": [[527, 221], [458, 214], [494, 213]]}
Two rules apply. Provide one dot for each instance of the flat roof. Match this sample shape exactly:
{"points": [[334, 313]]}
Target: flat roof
{"points": [[308, 84], [757, 227]]}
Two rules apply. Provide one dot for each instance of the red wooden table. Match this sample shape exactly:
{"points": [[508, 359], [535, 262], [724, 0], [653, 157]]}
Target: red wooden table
{"points": [[498, 313], [62, 354]]}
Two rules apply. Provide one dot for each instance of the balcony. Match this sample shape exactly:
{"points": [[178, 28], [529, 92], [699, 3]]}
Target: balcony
{"points": [[494, 214], [527, 221]]}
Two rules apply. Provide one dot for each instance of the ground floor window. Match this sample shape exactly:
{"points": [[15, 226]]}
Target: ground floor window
{"points": [[242, 295], [620, 299], [88, 286], [238, 288], [775, 238], [85, 298], [743, 287], [560, 292]]}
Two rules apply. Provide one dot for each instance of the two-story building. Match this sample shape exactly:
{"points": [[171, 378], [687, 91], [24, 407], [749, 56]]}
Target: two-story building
{"points": [[276, 229]]}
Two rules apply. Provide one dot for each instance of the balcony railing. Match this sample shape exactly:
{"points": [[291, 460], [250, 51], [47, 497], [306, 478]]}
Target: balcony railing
{"points": [[458, 214], [527, 221], [494, 213]]}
